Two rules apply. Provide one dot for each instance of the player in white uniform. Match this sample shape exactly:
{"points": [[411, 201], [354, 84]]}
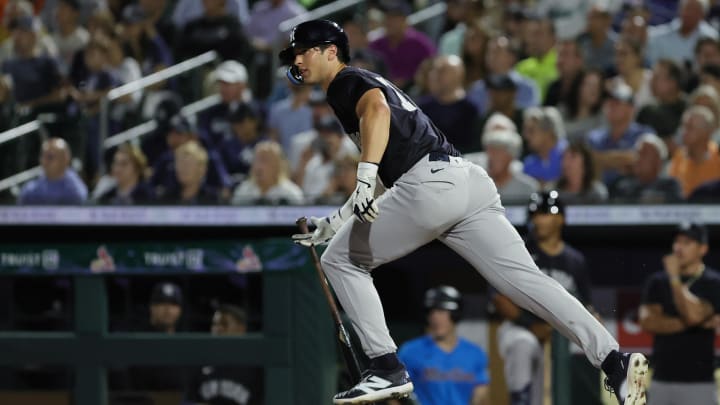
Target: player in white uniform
{"points": [[432, 193]]}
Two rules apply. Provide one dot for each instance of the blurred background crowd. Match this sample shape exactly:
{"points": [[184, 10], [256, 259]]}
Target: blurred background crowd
{"points": [[604, 100]]}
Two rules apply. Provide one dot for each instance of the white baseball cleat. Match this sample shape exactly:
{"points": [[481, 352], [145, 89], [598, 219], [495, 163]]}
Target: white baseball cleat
{"points": [[626, 374], [377, 386]]}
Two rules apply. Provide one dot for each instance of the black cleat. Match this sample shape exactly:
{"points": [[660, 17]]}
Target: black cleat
{"points": [[377, 385], [626, 377]]}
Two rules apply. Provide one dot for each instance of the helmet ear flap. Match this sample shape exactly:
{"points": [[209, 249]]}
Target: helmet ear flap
{"points": [[293, 74]]}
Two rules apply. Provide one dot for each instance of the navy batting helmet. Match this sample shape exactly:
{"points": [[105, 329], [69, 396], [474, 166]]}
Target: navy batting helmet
{"points": [[444, 297], [309, 34], [546, 202]]}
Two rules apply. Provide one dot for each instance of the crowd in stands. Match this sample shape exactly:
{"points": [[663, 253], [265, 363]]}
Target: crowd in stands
{"points": [[606, 101]]}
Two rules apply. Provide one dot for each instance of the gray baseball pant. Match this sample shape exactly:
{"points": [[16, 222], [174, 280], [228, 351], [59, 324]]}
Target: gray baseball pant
{"points": [[456, 202]]}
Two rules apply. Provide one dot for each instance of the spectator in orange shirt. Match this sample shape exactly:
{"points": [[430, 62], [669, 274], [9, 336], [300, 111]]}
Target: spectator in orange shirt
{"points": [[698, 161]]}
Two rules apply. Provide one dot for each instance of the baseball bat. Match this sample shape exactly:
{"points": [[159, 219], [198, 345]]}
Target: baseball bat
{"points": [[351, 359]]}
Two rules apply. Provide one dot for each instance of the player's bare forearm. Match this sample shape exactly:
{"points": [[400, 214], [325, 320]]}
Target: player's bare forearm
{"points": [[374, 114], [653, 320], [693, 310]]}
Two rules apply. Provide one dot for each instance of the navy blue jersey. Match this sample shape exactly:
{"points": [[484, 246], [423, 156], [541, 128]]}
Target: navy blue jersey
{"points": [[696, 343], [412, 134]]}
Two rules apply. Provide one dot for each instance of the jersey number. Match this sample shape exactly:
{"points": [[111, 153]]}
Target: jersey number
{"points": [[405, 102]]}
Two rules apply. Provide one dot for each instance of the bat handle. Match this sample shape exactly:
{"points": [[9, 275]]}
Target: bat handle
{"points": [[302, 224]]}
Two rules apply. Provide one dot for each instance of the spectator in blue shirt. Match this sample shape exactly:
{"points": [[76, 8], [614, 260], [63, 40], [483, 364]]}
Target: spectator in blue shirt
{"points": [[444, 367], [544, 133], [58, 184], [614, 144]]}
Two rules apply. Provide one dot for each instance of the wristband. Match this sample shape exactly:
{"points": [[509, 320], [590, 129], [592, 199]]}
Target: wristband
{"points": [[367, 170], [675, 281]]}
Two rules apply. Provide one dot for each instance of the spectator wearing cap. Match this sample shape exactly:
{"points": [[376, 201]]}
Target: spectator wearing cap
{"points": [[545, 137], [223, 384], [448, 106], [502, 148], [164, 178], [231, 78], [402, 47], [647, 184], [500, 59], [216, 30], [631, 71], [269, 181], [676, 39], [317, 163], [664, 115], [634, 25], [265, 18], [502, 90], [680, 308], [698, 160], [166, 302], [58, 184], [128, 172], [541, 64], [597, 43], [142, 40], [190, 187], [613, 144], [70, 36], [238, 146], [563, 92]]}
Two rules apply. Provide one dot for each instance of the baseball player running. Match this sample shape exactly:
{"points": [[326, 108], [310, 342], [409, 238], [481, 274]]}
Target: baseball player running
{"points": [[432, 193]]}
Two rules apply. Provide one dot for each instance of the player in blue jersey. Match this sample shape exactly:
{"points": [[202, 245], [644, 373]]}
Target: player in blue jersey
{"points": [[444, 367]]}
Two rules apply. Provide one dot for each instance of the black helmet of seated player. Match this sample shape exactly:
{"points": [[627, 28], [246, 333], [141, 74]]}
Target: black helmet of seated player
{"points": [[546, 202], [444, 297], [310, 34]]}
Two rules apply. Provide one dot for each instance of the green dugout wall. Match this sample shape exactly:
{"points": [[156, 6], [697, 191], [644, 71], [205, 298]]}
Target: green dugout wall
{"points": [[295, 347]]}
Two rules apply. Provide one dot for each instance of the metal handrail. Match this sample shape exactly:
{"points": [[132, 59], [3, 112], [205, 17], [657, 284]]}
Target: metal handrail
{"points": [[145, 128], [162, 75], [136, 85], [19, 131], [131, 134], [20, 178]]}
